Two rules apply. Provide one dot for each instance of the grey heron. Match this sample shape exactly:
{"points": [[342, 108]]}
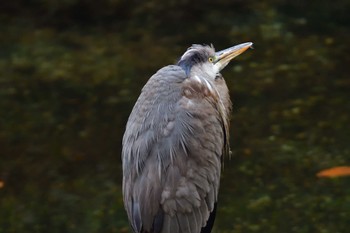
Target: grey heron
{"points": [[174, 142]]}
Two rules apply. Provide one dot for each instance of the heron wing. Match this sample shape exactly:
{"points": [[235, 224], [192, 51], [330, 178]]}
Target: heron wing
{"points": [[172, 150]]}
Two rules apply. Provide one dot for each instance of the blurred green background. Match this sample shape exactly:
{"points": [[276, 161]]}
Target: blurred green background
{"points": [[71, 70]]}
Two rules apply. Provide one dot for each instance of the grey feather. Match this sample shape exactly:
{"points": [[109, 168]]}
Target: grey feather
{"points": [[193, 224], [173, 226], [175, 138], [183, 222]]}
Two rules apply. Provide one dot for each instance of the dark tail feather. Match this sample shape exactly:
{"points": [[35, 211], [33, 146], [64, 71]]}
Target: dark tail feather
{"points": [[210, 223]]}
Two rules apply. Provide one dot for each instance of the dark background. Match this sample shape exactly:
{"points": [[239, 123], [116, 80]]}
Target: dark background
{"points": [[71, 70]]}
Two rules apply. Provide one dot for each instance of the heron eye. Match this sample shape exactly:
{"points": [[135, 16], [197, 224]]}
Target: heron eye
{"points": [[211, 59]]}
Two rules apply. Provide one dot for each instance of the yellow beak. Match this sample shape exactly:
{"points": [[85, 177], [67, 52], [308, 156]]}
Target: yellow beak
{"points": [[223, 57]]}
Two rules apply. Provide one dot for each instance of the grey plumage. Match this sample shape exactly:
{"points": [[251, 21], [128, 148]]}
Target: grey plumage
{"points": [[173, 145]]}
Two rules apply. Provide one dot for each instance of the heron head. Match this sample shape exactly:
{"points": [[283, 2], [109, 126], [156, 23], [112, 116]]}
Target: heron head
{"points": [[205, 57]]}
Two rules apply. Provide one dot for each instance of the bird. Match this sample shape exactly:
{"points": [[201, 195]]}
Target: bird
{"points": [[174, 142]]}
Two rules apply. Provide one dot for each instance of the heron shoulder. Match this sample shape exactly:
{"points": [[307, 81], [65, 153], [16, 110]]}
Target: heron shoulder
{"points": [[170, 73]]}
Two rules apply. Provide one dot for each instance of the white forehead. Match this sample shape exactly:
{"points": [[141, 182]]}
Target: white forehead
{"points": [[196, 48]]}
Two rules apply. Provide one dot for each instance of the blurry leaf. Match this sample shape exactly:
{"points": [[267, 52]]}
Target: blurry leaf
{"points": [[335, 172]]}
